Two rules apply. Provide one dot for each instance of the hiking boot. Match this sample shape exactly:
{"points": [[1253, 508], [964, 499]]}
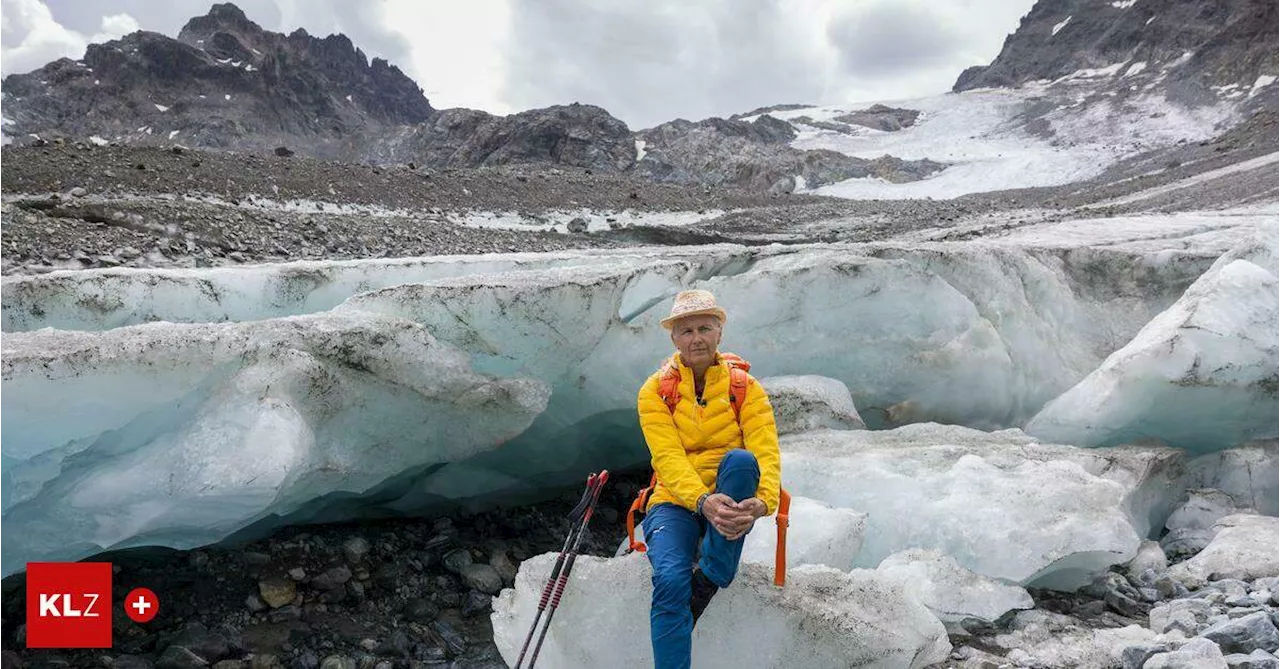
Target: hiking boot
{"points": [[703, 591]]}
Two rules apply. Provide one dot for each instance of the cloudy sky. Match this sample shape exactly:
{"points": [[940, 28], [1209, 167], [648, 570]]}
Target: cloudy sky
{"points": [[646, 61]]}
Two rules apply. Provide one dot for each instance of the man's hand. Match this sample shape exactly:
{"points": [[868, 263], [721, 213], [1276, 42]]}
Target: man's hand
{"points": [[732, 519]]}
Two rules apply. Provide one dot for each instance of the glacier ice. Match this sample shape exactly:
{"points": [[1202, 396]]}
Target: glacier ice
{"points": [[1201, 376], [559, 342], [950, 591], [818, 534], [809, 402], [102, 299], [1002, 504], [183, 434], [821, 618], [1250, 473]]}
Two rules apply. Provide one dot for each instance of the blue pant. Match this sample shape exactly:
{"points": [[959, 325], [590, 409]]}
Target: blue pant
{"points": [[673, 534]]}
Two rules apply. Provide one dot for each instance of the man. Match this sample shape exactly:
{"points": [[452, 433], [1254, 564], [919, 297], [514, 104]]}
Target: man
{"points": [[715, 454]]}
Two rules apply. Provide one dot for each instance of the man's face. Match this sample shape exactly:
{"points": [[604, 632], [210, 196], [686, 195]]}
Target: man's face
{"points": [[696, 337]]}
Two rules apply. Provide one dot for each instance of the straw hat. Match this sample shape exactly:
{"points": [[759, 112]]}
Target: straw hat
{"points": [[694, 303]]}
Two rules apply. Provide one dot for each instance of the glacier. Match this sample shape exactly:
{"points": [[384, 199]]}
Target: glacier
{"points": [[186, 433], [331, 391], [1202, 375]]}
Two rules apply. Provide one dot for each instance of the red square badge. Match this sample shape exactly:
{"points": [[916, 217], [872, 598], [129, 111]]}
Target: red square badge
{"points": [[68, 605]]}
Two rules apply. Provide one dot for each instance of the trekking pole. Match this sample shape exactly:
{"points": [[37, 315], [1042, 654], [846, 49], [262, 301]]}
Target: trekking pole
{"points": [[568, 565], [575, 522]]}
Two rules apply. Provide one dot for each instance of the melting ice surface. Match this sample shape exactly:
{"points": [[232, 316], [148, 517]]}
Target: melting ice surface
{"points": [[178, 407]]}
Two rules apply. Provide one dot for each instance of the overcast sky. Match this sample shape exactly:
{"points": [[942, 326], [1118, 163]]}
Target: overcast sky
{"points": [[646, 61]]}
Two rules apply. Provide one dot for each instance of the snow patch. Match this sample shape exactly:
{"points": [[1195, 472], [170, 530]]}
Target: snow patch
{"points": [[596, 220], [227, 96], [348, 98], [98, 141], [1062, 25], [1136, 68], [1261, 82], [640, 144], [980, 138], [1149, 21], [1124, 4], [161, 108], [173, 133]]}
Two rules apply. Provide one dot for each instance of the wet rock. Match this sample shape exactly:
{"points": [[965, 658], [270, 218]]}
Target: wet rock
{"points": [[578, 225], [78, 191], [1162, 617], [482, 577], [398, 644], [1244, 635], [284, 152], [306, 660], [421, 610], [355, 550], [177, 657], [504, 566], [476, 603], [1134, 657], [456, 560], [1258, 659], [277, 592], [332, 578], [1195, 654], [120, 662], [454, 642]]}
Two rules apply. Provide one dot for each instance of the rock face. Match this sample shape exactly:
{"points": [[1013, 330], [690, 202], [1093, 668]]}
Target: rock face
{"points": [[1224, 41], [758, 155], [881, 117], [574, 135]]}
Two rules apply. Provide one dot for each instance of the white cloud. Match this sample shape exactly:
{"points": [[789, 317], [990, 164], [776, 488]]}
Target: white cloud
{"points": [[40, 39], [654, 61], [456, 50], [645, 62]]}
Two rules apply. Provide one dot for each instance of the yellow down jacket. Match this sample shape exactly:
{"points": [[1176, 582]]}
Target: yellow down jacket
{"points": [[686, 446]]}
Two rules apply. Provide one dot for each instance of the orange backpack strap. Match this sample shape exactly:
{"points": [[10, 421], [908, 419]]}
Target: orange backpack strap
{"points": [[669, 385], [780, 556], [638, 506]]}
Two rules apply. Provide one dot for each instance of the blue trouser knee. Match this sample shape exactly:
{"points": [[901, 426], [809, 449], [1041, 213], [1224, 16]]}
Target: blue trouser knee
{"points": [[673, 535]]}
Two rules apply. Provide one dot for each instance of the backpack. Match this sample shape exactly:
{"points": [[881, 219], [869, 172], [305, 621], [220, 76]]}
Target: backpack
{"points": [[669, 383], [669, 391]]}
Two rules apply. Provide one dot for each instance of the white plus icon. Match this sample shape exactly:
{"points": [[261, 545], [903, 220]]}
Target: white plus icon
{"points": [[141, 605]]}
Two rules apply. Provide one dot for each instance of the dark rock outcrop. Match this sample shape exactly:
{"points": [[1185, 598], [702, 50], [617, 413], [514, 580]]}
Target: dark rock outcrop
{"points": [[880, 117], [1224, 41], [756, 155], [224, 83]]}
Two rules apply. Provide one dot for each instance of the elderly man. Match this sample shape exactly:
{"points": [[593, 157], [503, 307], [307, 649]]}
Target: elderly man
{"points": [[714, 445]]}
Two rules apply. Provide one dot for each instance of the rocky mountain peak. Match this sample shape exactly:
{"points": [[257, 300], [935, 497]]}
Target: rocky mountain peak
{"points": [[222, 18]]}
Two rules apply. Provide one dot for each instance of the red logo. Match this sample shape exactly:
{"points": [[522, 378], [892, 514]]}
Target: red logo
{"points": [[141, 605], [68, 605]]}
